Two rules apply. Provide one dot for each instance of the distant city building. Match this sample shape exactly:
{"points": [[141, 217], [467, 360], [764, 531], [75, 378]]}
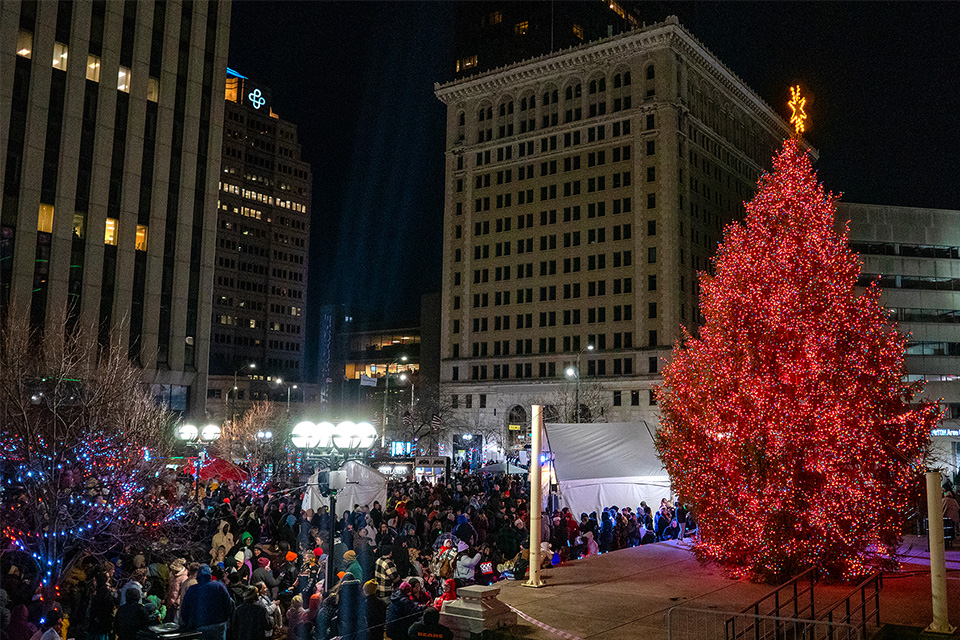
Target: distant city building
{"points": [[110, 133], [259, 290], [584, 191], [494, 34], [916, 254]]}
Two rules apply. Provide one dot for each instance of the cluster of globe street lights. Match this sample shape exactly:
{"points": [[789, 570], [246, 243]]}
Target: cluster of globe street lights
{"points": [[333, 445], [199, 437]]}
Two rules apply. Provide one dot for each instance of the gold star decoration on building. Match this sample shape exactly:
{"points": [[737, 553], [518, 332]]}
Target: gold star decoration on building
{"points": [[796, 104]]}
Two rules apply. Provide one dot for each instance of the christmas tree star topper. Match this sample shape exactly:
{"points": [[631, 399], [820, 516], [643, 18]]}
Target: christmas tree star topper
{"points": [[796, 104]]}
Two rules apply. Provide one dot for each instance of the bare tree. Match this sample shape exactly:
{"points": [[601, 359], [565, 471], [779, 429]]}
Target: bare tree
{"points": [[239, 438], [561, 404], [81, 438], [427, 423]]}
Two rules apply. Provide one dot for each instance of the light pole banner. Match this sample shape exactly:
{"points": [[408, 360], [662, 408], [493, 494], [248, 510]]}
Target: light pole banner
{"points": [[367, 381]]}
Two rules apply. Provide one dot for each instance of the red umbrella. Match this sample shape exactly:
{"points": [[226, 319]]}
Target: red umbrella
{"points": [[221, 469]]}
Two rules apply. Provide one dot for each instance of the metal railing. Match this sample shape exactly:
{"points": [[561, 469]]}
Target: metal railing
{"points": [[706, 624], [792, 599], [860, 609]]}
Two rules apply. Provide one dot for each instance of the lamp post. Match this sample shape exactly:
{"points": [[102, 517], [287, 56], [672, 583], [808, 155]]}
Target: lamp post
{"points": [[280, 382], [333, 445], [386, 392], [574, 372], [190, 435], [233, 401], [264, 438], [413, 388]]}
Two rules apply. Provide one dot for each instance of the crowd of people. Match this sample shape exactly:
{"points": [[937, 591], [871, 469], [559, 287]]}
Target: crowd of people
{"points": [[257, 568]]}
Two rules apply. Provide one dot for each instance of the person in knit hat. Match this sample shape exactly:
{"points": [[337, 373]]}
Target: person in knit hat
{"points": [[376, 611], [352, 565], [287, 578], [402, 612], [264, 574]]}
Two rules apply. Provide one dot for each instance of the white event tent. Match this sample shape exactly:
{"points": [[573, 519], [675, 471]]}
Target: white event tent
{"points": [[604, 464], [363, 486]]}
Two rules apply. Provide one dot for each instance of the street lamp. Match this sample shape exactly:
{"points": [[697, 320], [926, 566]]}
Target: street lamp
{"points": [[280, 382], [413, 388], [386, 392], [574, 372], [334, 445], [198, 438], [233, 401]]}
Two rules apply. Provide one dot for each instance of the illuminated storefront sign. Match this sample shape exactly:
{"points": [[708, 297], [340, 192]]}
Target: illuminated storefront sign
{"points": [[945, 433]]}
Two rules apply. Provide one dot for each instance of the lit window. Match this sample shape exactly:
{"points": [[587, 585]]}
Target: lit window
{"points": [[45, 219], [59, 56], [79, 224], [521, 28], [123, 79], [93, 68], [24, 44], [141, 237], [496, 17], [110, 234], [470, 62], [153, 89], [578, 31]]}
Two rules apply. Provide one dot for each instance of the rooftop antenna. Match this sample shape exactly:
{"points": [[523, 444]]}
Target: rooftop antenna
{"points": [[551, 26]]}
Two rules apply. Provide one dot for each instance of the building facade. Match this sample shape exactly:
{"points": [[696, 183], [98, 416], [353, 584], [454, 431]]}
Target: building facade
{"points": [[110, 149], [584, 191], [494, 34], [263, 231], [916, 255]]}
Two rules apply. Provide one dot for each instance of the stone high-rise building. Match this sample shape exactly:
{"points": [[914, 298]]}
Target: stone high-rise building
{"points": [[584, 191], [110, 130], [263, 232]]}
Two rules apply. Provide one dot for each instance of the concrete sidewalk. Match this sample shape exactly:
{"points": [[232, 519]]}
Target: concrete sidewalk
{"points": [[627, 594]]}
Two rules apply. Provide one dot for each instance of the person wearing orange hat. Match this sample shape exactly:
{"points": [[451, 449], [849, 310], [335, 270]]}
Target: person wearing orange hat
{"points": [[287, 578]]}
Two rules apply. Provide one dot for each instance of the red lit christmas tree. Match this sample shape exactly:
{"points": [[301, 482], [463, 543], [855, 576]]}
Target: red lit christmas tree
{"points": [[786, 423]]}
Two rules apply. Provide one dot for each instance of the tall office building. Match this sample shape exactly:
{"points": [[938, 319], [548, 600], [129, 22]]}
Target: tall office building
{"points": [[494, 34], [916, 255], [110, 149], [584, 191], [259, 292]]}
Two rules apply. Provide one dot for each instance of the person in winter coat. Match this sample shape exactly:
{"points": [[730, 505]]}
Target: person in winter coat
{"points": [[351, 565], [207, 607], [294, 615], [178, 575], [376, 610], [223, 538], [263, 574], [250, 620], [20, 627], [467, 560], [100, 620], [136, 583], [449, 593], [131, 617], [352, 608], [402, 612], [429, 627]]}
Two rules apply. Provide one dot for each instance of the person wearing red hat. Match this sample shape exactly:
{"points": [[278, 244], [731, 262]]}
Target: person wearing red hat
{"points": [[264, 574]]}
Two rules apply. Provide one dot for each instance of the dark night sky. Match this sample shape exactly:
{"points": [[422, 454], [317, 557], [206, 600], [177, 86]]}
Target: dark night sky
{"points": [[357, 78]]}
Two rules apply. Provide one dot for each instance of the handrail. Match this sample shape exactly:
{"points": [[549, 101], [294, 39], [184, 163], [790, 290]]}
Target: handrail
{"points": [[874, 581], [794, 593], [809, 577]]}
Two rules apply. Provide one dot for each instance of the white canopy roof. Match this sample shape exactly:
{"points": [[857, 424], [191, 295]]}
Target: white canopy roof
{"points": [[603, 464]]}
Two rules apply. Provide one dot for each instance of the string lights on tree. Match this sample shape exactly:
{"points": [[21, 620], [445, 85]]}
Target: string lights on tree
{"points": [[787, 422]]}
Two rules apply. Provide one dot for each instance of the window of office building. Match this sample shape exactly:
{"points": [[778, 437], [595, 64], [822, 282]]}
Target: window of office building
{"points": [[93, 68], [123, 80], [45, 218], [24, 44], [153, 89], [59, 56], [141, 237], [110, 234]]}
